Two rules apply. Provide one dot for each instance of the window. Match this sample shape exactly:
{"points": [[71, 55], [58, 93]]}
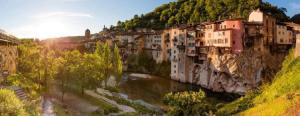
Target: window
{"points": [[233, 25], [281, 40], [223, 33], [233, 42], [224, 26]]}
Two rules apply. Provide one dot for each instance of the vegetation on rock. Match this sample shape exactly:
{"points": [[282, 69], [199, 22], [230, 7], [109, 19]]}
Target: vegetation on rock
{"points": [[273, 99]]}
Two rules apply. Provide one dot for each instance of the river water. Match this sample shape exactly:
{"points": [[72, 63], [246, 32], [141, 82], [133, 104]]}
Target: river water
{"points": [[152, 90]]}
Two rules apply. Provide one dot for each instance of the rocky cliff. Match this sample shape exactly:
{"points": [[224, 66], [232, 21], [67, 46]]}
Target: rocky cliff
{"points": [[235, 73]]}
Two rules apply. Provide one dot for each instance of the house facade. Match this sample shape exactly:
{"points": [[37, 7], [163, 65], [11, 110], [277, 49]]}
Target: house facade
{"points": [[297, 50], [268, 28]]}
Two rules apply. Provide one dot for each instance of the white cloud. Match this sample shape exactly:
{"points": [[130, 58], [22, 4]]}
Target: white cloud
{"points": [[63, 14], [295, 6]]}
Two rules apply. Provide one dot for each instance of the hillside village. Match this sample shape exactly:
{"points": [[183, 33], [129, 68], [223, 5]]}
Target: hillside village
{"points": [[214, 54], [231, 55], [155, 64]]}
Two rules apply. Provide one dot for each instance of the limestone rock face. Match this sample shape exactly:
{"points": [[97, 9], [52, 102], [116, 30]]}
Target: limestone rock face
{"points": [[8, 58], [235, 73]]}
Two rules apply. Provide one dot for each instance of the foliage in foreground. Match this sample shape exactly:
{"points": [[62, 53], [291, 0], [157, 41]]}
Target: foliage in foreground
{"points": [[187, 103], [10, 105], [36, 67]]}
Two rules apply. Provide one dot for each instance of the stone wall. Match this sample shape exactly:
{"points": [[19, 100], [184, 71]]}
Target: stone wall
{"points": [[8, 59]]}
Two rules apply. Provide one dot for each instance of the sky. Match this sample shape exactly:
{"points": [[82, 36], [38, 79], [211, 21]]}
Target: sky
{"points": [[55, 18]]}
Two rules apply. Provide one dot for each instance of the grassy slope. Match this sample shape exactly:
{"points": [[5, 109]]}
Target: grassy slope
{"points": [[274, 99]]}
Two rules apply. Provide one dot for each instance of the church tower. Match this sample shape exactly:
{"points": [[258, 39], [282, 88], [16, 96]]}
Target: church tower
{"points": [[87, 34]]}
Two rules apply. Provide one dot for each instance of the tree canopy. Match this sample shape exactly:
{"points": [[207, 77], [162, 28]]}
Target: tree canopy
{"points": [[296, 18], [196, 11]]}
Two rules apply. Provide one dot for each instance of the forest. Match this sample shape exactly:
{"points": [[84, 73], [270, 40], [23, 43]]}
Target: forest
{"points": [[197, 11]]}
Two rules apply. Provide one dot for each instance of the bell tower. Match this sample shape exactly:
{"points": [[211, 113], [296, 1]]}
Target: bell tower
{"points": [[87, 34]]}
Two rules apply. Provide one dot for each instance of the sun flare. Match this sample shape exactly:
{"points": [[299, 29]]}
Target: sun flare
{"points": [[50, 28]]}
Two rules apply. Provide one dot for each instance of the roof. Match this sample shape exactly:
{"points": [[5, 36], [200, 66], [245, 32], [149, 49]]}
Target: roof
{"points": [[5, 37]]}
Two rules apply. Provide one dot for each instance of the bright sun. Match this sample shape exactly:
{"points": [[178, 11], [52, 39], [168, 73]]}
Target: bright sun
{"points": [[50, 28]]}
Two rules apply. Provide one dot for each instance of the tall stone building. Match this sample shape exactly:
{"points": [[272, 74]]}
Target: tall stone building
{"points": [[8, 54], [268, 28]]}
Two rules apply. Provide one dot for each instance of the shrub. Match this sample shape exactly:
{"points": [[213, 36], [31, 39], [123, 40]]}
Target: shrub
{"points": [[187, 103], [10, 105]]}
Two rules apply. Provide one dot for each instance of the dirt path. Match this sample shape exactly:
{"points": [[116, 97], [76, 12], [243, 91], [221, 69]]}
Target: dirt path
{"points": [[74, 102], [47, 107]]}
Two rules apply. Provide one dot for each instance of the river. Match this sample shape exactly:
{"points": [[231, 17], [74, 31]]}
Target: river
{"points": [[152, 90]]}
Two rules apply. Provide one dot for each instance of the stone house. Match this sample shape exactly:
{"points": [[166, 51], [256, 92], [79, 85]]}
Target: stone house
{"points": [[253, 36], [284, 37], [226, 34], [177, 37], [269, 27]]}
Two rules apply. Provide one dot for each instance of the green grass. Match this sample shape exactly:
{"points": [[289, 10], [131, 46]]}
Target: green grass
{"points": [[106, 107], [237, 106], [272, 100], [286, 81], [140, 108]]}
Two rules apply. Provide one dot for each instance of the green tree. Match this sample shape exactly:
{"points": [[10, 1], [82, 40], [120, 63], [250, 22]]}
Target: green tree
{"points": [[187, 103], [105, 55], [296, 18], [117, 64], [69, 65], [90, 76], [10, 105]]}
